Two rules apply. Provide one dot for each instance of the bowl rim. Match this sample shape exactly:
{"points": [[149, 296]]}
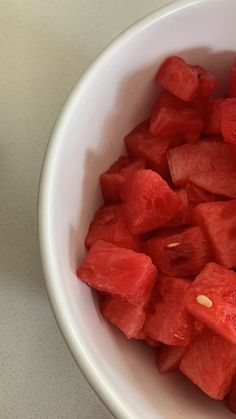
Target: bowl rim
{"points": [[99, 385]]}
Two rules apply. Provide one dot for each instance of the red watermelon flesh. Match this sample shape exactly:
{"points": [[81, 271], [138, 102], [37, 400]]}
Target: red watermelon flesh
{"points": [[208, 164], [212, 299], [219, 221], [207, 81], [114, 179], [228, 120], [197, 195], [210, 363], [127, 317], [118, 271], [168, 321], [232, 81], [183, 253], [151, 149], [232, 395], [168, 358], [150, 202], [151, 342], [169, 122], [181, 216], [213, 116], [179, 78], [108, 224]]}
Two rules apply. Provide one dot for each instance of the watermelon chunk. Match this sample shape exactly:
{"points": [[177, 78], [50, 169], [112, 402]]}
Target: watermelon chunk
{"points": [[167, 320], [150, 202], [232, 81], [181, 216], [219, 221], [141, 144], [119, 271], [108, 224], [179, 78], [228, 120], [114, 179], [207, 81], [213, 116], [210, 165], [127, 317], [197, 195], [212, 299], [210, 363], [168, 121], [232, 397], [168, 358], [181, 253]]}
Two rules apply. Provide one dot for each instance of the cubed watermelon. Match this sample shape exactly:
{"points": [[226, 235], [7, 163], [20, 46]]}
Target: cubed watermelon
{"points": [[127, 317], [151, 342], [208, 164], [232, 81], [168, 121], [114, 179], [153, 150], [179, 78], [108, 224], [228, 120], [118, 271], [167, 320], [182, 253], [197, 195], [181, 217], [219, 221], [168, 358], [232, 394], [212, 116], [212, 299], [150, 202], [210, 363], [207, 81]]}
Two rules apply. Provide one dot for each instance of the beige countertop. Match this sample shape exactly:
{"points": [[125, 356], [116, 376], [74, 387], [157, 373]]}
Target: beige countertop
{"points": [[45, 47]]}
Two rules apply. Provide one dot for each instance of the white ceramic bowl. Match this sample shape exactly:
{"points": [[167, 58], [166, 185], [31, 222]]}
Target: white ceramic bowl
{"points": [[116, 92]]}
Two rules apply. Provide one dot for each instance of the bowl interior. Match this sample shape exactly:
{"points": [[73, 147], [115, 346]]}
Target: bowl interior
{"points": [[117, 92]]}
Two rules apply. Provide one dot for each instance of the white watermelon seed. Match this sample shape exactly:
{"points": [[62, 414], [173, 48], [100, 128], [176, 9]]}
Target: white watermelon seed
{"points": [[204, 301], [170, 245]]}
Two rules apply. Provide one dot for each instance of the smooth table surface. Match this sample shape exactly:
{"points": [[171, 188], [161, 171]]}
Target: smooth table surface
{"points": [[45, 47]]}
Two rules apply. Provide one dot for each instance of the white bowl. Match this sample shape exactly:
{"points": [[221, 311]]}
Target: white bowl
{"points": [[115, 93]]}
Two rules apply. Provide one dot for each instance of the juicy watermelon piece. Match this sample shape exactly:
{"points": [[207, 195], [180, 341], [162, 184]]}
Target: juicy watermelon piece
{"points": [[127, 317], [228, 120], [141, 144], [114, 179], [212, 299], [118, 271], [197, 195], [168, 358], [232, 397], [150, 202], [210, 363], [213, 117], [183, 253], [219, 221], [179, 78], [207, 81], [168, 321], [181, 216], [208, 164], [168, 121], [151, 342], [232, 81], [108, 224]]}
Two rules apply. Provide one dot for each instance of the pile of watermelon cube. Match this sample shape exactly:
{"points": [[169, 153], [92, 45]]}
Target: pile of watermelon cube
{"points": [[162, 247]]}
